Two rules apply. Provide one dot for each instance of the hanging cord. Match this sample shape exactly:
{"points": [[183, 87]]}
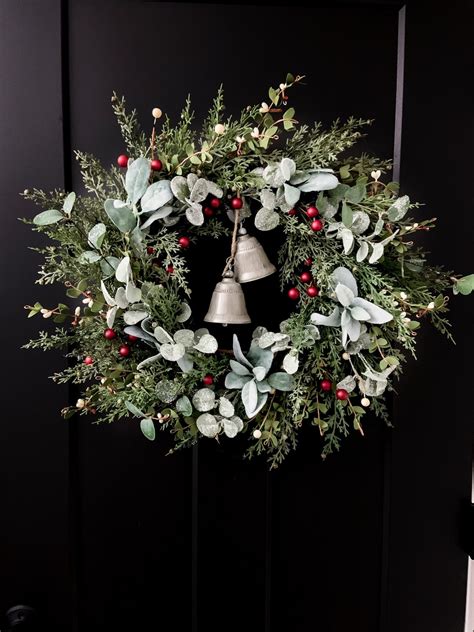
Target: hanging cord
{"points": [[233, 249]]}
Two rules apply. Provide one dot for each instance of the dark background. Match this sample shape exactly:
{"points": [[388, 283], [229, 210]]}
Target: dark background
{"points": [[99, 530]]}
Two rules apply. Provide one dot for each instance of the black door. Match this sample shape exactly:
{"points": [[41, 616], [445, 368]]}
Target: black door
{"points": [[100, 529]]}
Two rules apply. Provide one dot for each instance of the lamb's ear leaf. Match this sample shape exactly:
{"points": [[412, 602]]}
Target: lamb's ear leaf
{"points": [[157, 195], [239, 356], [121, 215], [281, 381], [136, 179], [250, 397]]}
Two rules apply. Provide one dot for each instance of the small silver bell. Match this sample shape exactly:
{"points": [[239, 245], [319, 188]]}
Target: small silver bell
{"points": [[227, 303], [251, 262]]}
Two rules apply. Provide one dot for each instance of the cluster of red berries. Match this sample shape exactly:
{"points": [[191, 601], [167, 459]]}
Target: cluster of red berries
{"points": [[307, 278], [311, 212], [124, 349], [341, 393], [122, 161]]}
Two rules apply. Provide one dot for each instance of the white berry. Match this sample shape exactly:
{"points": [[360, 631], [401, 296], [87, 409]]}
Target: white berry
{"points": [[156, 113], [219, 128], [345, 356], [257, 434], [80, 403], [365, 401]]}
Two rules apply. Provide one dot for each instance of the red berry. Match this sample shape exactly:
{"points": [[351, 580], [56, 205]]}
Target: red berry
{"points": [[124, 351], [109, 334], [122, 160], [184, 242], [294, 293], [150, 250], [208, 380], [88, 360], [308, 262], [236, 203], [312, 291], [312, 211], [326, 385], [208, 212], [170, 269], [156, 165], [292, 212], [342, 394], [306, 277], [215, 202], [316, 225], [132, 338]]}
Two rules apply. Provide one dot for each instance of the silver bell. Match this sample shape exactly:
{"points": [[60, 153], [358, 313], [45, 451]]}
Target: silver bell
{"points": [[251, 262], [227, 303]]}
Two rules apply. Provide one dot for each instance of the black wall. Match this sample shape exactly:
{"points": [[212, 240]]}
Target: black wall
{"points": [[99, 529]]}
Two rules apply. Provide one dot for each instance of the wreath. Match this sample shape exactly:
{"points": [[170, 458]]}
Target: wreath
{"points": [[358, 284]]}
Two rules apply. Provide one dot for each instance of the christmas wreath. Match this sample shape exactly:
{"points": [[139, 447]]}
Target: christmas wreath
{"points": [[359, 285]]}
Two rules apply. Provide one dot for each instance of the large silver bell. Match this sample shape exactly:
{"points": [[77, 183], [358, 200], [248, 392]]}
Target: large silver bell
{"points": [[227, 303], [251, 262]]}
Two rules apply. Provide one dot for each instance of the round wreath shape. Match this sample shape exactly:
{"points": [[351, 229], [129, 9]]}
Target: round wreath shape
{"points": [[359, 285]]}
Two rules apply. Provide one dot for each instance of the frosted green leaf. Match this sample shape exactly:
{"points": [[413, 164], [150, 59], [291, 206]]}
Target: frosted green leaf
{"points": [[166, 391], [48, 217], [207, 344], [355, 194], [266, 219], [69, 203], [184, 314], [162, 336], [108, 299], [214, 190], [121, 298], [148, 428], [136, 178], [226, 408], [233, 380], [185, 363], [194, 215], [184, 406], [157, 195], [96, 235], [359, 313], [121, 215], [263, 387], [148, 361], [199, 333], [199, 191], [287, 168], [89, 256], [377, 253], [345, 296], [111, 314], [348, 383], [185, 337], [346, 214], [260, 373], [266, 339], [208, 425], [292, 194], [291, 362], [238, 368], [172, 352], [139, 332], [204, 399], [281, 381], [232, 426], [250, 397], [260, 357], [267, 198], [239, 356], [180, 188], [399, 208], [123, 271], [134, 410], [161, 213], [133, 294], [360, 222], [132, 317], [363, 251], [464, 285], [347, 240], [378, 316], [319, 182], [109, 265]]}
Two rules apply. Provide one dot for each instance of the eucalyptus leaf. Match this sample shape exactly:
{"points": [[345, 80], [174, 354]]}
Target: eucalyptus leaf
{"points": [[121, 215], [399, 208], [226, 408], [204, 400], [207, 344], [185, 337], [363, 251], [69, 203], [266, 219], [238, 368], [347, 215], [319, 182], [136, 412], [194, 215], [232, 426], [348, 384], [48, 217], [377, 253], [161, 213], [148, 428], [96, 235], [292, 194], [185, 363], [89, 256], [157, 195], [184, 314], [123, 271], [110, 317], [250, 397], [208, 425], [172, 352], [235, 381], [281, 381], [184, 406], [355, 194], [162, 336], [291, 363], [132, 317]]}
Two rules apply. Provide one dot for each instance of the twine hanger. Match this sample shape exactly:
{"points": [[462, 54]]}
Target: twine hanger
{"points": [[233, 248]]}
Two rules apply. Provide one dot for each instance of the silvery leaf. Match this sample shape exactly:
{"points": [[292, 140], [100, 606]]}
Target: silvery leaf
{"points": [[108, 266], [185, 363], [292, 194], [299, 177], [260, 373], [184, 314], [266, 339], [121, 215], [166, 391], [138, 332], [373, 388], [350, 327], [111, 314], [123, 270], [121, 298], [344, 277], [325, 207], [132, 292], [263, 387], [267, 198], [287, 167], [204, 400], [214, 190], [194, 214], [132, 317], [238, 368], [180, 188], [363, 251], [378, 316], [161, 213], [96, 235], [250, 397], [136, 179], [89, 256], [108, 299], [232, 426], [148, 428], [136, 240], [199, 333], [266, 219], [199, 191], [170, 220], [273, 176], [184, 406], [148, 361], [226, 408], [136, 412], [157, 195], [162, 336], [46, 218], [388, 239], [363, 342], [239, 356], [319, 182], [345, 296], [348, 383], [185, 337], [377, 252], [233, 380], [337, 194], [333, 320], [291, 362], [259, 331], [281, 381], [360, 222], [69, 203], [260, 357], [399, 208], [172, 352], [207, 344], [359, 313], [347, 240], [207, 425]]}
